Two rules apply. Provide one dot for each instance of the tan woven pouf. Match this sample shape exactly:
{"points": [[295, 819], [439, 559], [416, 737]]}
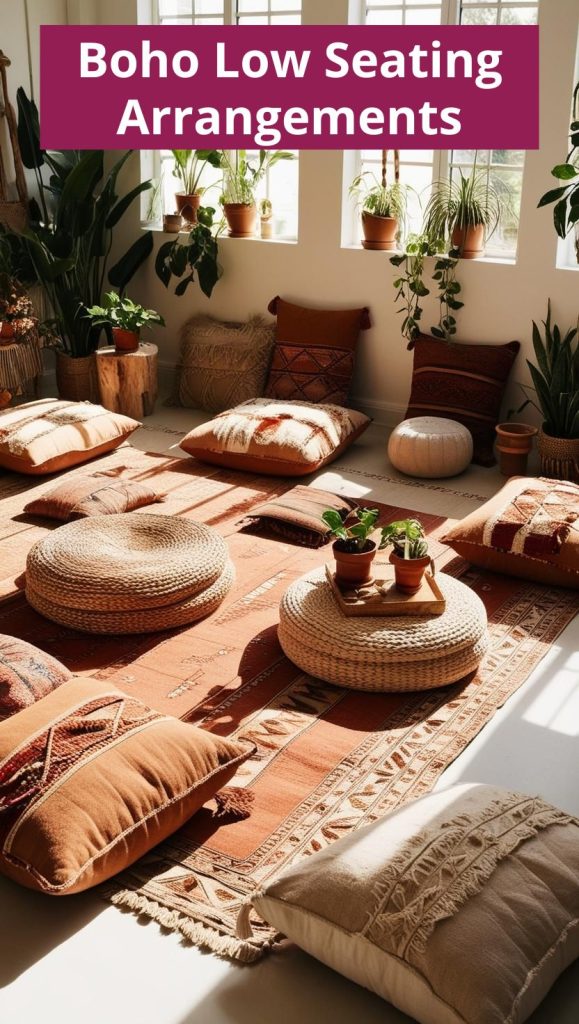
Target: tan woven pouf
{"points": [[430, 446], [128, 573], [386, 653]]}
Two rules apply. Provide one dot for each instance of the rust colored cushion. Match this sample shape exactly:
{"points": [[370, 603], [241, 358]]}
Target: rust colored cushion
{"points": [[313, 357], [529, 529], [26, 674], [464, 383], [89, 496], [279, 438], [50, 435], [91, 779], [297, 515]]}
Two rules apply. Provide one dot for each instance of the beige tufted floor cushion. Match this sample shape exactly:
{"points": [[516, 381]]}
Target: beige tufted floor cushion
{"points": [[128, 573], [430, 446], [386, 653]]}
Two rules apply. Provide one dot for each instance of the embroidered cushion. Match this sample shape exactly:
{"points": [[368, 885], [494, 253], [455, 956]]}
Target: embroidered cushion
{"points": [[460, 908], [26, 674], [281, 438], [297, 515], [91, 779], [463, 383], [50, 435], [313, 358], [529, 529], [92, 496], [223, 363]]}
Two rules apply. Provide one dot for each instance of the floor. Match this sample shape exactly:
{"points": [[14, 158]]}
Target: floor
{"points": [[78, 959]]}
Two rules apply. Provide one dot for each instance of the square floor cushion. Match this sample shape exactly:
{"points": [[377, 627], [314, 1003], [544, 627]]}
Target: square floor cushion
{"points": [[529, 529], [50, 435], [274, 437], [464, 383], [92, 496], [297, 515], [223, 363], [460, 908], [313, 357], [26, 674], [91, 779]]}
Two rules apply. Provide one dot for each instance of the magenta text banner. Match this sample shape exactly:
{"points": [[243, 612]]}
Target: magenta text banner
{"points": [[308, 87]]}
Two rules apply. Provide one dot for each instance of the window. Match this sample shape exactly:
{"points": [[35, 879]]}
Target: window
{"points": [[419, 168], [281, 183]]}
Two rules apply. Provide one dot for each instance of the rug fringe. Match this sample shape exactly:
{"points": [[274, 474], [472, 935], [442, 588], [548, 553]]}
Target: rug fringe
{"points": [[233, 802], [197, 933]]}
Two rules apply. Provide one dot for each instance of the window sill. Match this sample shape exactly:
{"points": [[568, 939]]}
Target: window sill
{"points": [[158, 230], [508, 261]]}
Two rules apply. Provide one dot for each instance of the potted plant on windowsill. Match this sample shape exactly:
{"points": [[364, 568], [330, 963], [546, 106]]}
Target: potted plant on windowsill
{"points": [[383, 206], [410, 556], [188, 168], [555, 383], [125, 319], [353, 550], [467, 210], [240, 181]]}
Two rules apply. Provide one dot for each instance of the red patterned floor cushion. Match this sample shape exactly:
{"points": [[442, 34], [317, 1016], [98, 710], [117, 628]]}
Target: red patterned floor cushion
{"points": [[26, 674], [313, 357]]}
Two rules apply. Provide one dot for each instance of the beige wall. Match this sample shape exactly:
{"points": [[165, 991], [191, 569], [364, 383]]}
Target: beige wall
{"points": [[501, 299]]}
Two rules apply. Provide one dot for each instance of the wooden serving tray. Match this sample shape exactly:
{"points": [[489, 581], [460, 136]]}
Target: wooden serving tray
{"points": [[380, 596]]}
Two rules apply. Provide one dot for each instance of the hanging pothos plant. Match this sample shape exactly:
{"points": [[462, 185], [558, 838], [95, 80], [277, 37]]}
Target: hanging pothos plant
{"points": [[411, 289]]}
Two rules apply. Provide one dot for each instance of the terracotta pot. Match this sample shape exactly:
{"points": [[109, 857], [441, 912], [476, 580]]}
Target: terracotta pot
{"points": [[76, 378], [408, 572], [125, 341], [353, 569], [6, 333], [379, 232], [241, 219], [470, 241], [172, 223], [559, 457], [514, 442], [187, 206]]}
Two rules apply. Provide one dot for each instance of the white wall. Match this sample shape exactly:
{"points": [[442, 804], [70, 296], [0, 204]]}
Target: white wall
{"points": [[501, 299]]}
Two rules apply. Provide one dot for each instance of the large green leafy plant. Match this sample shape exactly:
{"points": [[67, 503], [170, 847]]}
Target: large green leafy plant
{"points": [[555, 378], [198, 255], [190, 164], [566, 197], [71, 228], [241, 177]]}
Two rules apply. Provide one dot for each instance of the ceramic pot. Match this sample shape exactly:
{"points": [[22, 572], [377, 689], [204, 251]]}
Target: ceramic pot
{"points": [[353, 569], [379, 232], [514, 442], [470, 241], [559, 456], [187, 206], [241, 219], [408, 572], [6, 333], [76, 378], [172, 223], [125, 341], [266, 227]]}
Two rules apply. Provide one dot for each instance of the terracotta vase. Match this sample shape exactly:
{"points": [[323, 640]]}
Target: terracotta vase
{"points": [[76, 378], [187, 206], [241, 219], [379, 232], [559, 456], [408, 572], [470, 241], [172, 223], [6, 333], [353, 569], [125, 341], [514, 442]]}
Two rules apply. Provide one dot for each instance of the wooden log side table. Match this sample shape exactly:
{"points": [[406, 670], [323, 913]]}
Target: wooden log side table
{"points": [[128, 380]]}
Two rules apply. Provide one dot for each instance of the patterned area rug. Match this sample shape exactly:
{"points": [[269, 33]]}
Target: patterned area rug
{"points": [[328, 760]]}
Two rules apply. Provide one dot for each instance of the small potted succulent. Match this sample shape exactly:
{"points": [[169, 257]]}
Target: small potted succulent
{"points": [[410, 556], [188, 168], [383, 207], [353, 550], [124, 319]]}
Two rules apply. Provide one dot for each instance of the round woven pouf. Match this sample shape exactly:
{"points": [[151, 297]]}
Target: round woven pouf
{"points": [[382, 653], [430, 446], [128, 573]]}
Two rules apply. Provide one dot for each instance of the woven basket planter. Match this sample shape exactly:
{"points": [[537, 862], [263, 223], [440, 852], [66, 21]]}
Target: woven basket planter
{"points": [[76, 378], [559, 457]]}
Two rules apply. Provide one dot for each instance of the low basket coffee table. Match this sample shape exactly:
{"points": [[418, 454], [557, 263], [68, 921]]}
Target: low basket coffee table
{"points": [[382, 653]]}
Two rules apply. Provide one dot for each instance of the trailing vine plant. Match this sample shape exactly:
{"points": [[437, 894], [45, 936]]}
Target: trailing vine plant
{"points": [[448, 288], [410, 287]]}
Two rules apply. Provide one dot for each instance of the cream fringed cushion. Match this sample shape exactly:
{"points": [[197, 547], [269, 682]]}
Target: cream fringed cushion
{"points": [[460, 908], [430, 447], [223, 363], [49, 435]]}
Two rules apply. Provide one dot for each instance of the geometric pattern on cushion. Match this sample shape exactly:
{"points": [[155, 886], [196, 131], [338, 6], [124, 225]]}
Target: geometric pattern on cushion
{"points": [[91, 779], [464, 383], [529, 529], [313, 357], [86, 496], [274, 437], [297, 515], [407, 905], [26, 674]]}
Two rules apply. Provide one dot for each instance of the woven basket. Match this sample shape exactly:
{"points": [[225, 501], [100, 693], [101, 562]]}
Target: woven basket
{"points": [[386, 653], [76, 379], [559, 457]]}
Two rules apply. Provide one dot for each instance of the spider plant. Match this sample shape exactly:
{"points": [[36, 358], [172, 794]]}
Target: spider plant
{"points": [[378, 199], [466, 201], [241, 178]]}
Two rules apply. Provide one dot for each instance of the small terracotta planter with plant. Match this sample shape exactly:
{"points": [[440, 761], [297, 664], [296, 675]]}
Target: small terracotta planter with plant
{"points": [[468, 209], [353, 550], [188, 168], [383, 206], [410, 556], [240, 181], [514, 444], [124, 319]]}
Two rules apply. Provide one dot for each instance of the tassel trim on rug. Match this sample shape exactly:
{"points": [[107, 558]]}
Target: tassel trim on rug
{"points": [[233, 802], [243, 928]]}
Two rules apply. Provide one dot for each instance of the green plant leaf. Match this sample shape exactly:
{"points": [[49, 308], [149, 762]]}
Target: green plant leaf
{"points": [[123, 204], [122, 272], [560, 218], [564, 172], [28, 131]]}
